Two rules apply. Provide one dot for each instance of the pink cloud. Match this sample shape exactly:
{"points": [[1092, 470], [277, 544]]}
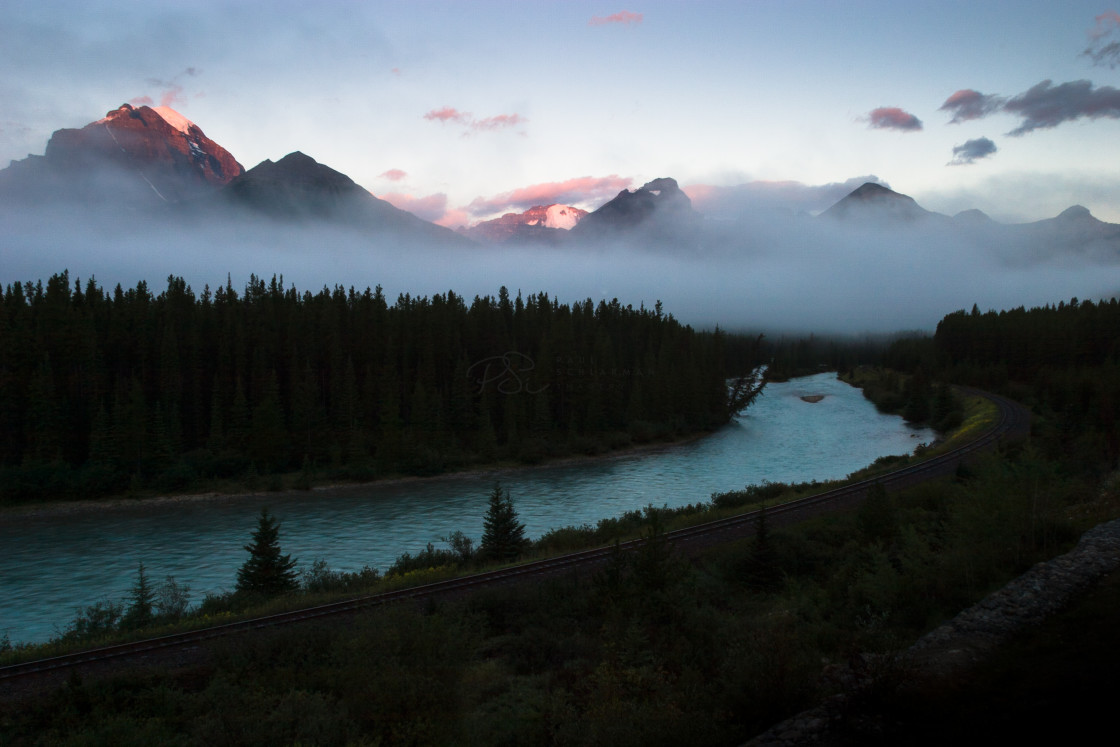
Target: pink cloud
{"points": [[498, 122], [1107, 22], [623, 17], [583, 189], [893, 118], [466, 119], [589, 190], [393, 175], [171, 96], [171, 93], [430, 207], [448, 114]]}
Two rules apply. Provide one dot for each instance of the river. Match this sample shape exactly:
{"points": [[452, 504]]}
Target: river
{"points": [[52, 565]]}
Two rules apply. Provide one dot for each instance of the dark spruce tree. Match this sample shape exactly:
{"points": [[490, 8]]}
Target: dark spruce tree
{"points": [[267, 572], [141, 598], [503, 536]]}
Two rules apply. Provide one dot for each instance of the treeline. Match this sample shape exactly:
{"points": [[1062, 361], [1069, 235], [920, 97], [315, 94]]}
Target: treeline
{"points": [[1064, 360], [788, 356], [105, 391]]}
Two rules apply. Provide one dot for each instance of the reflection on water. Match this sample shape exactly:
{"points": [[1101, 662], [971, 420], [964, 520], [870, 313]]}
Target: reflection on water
{"points": [[51, 566]]}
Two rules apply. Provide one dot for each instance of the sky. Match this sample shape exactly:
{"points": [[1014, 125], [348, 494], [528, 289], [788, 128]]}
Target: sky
{"points": [[460, 111]]}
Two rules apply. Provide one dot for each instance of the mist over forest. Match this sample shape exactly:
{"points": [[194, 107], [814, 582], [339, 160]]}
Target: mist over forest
{"points": [[778, 273]]}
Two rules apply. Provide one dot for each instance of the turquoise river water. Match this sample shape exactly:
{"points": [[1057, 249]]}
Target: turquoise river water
{"points": [[53, 564]]}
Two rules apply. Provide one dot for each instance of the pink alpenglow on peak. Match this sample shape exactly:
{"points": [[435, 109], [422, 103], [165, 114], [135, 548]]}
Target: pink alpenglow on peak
{"points": [[538, 222], [175, 119]]}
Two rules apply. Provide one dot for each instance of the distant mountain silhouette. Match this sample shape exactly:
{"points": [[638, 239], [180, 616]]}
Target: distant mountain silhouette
{"points": [[656, 213], [1075, 232], [152, 162], [873, 201], [973, 218], [298, 188]]}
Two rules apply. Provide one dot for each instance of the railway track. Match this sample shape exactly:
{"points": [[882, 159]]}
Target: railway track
{"points": [[1013, 420]]}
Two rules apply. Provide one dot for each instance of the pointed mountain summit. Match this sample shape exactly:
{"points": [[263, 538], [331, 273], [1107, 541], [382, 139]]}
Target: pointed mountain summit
{"points": [[873, 201], [132, 157], [297, 188], [659, 208], [1073, 231], [1076, 213], [973, 218]]}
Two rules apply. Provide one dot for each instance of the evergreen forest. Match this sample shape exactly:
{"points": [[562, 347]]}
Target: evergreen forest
{"points": [[1063, 359], [713, 648], [106, 392]]}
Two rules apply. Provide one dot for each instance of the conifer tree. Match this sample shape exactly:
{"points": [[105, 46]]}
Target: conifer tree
{"points": [[141, 598], [503, 536], [267, 571]]}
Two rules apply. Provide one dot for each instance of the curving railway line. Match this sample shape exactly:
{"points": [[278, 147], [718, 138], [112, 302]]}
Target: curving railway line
{"points": [[1014, 420]]}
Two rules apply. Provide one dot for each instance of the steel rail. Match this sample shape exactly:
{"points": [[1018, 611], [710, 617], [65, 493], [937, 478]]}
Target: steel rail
{"points": [[1013, 418]]}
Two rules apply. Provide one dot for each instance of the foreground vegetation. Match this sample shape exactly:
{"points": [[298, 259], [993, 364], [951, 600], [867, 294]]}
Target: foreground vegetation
{"points": [[654, 649]]}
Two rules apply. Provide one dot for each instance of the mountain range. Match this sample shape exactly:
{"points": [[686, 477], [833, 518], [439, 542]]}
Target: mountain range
{"points": [[154, 161]]}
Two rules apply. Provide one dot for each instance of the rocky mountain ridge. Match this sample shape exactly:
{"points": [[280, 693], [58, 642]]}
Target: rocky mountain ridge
{"points": [[155, 160]]}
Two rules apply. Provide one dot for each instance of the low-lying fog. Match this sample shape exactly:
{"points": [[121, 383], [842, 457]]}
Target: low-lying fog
{"points": [[786, 275]]}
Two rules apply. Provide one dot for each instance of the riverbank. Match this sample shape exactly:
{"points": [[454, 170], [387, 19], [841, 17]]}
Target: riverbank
{"points": [[753, 631], [237, 492], [94, 551]]}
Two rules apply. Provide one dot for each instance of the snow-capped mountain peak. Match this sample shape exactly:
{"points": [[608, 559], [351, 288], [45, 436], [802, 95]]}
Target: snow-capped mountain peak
{"points": [[175, 119], [562, 216]]}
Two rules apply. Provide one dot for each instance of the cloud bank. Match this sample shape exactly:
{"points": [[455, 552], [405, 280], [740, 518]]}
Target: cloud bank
{"points": [[1046, 105], [732, 202], [1043, 106], [814, 278]]}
